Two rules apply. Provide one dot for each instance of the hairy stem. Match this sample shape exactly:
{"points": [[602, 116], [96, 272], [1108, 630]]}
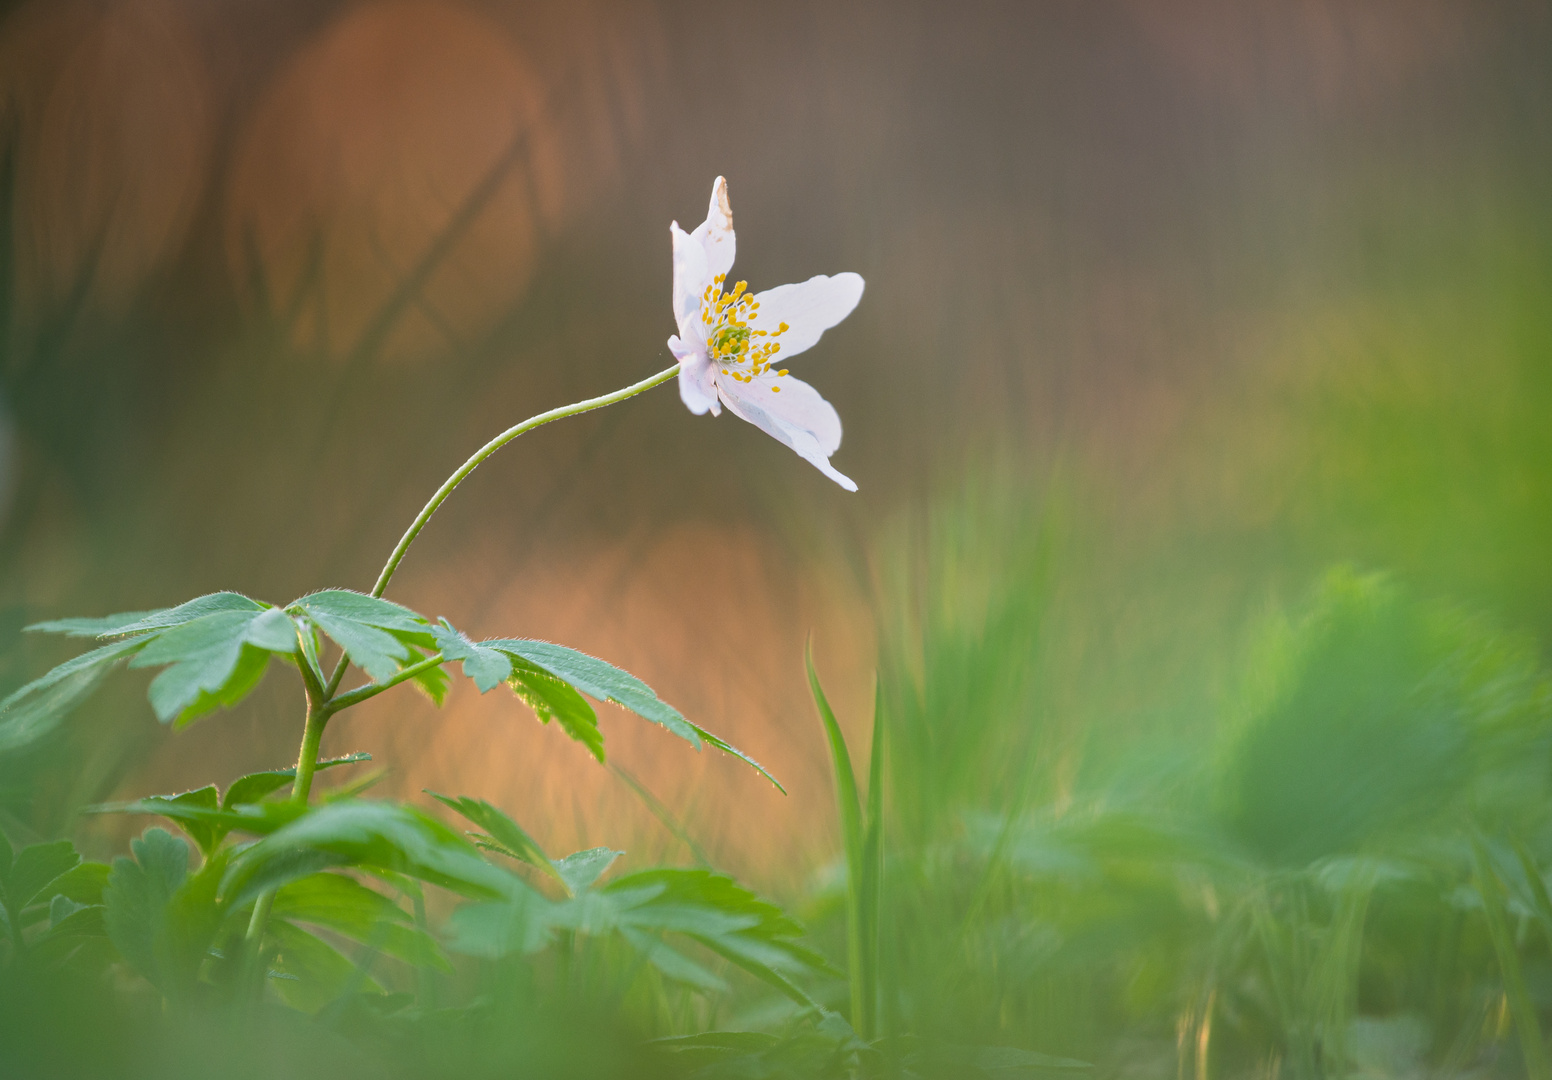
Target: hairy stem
{"points": [[496, 444], [307, 759], [370, 690], [473, 463]]}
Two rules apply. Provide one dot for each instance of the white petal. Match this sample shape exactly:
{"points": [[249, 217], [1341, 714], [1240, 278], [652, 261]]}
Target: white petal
{"points": [[809, 309], [690, 279], [697, 389], [792, 412], [715, 234]]}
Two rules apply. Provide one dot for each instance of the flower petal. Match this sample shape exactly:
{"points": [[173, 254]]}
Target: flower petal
{"points": [[715, 234], [690, 279], [697, 389], [792, 412], [809, 309]]}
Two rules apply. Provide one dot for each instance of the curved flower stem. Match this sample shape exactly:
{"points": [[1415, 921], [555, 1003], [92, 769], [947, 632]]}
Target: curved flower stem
{"points": [[473, 463], [496, 444]]}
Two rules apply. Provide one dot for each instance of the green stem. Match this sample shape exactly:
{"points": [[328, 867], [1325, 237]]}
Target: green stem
{"points": [[361, 693], [496, 444], [307, 759], [473, 463]]}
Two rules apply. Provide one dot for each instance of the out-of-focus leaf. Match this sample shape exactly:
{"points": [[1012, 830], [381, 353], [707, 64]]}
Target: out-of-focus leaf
{"points": [[205, 833], [673, 964], [376, 634], [347, 907], [507, 835], [33, 870], [68, 932], [137, 895], [826, 1049], [368, 834], [520, 925], [318, 971], [488, 667], [552, 698], [100, 626], [720, 914], [581, 869], [214, 660], [37, 708], [256, 786], [82, 883]]}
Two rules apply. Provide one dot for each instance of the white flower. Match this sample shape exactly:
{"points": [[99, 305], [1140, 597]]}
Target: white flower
{"points": [[729, 341]]}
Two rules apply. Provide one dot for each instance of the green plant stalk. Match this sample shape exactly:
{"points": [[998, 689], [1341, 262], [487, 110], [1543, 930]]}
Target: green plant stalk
{"points": [[474, 462], [1526, 1026], [322, 702]]}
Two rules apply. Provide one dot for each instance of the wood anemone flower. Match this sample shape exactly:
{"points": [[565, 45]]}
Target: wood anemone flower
{"points": [[731, 341]]}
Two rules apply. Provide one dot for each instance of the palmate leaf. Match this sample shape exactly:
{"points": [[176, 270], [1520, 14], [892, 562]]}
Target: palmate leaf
{"points": [[137, 896], [27, 877], [39, 707], [547, 677], [101, 626], [215, 659], [308, 972], [377, 635], [347, 907], [708, 908], [371, 835], [502, 834], [549, 696], [216, 647]]}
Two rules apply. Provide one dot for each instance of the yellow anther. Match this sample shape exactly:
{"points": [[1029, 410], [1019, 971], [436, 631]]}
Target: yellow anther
{"points": [[775, 389]]}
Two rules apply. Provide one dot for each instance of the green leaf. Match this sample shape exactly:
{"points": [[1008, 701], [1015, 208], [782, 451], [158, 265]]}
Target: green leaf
{"points": [[368, 610], [432, 682], [205, 822], [75, 926], [375, 634], [256, 786], [581, 869], [368, 834], [606, 682], [215, 660], [347, 907], [673, 964], [489, 668], [552, 698], [307, 636], [40, 706], [729, 748], [600, 680], [318, 971], [518, 925], [137, 896], [90, 627], [508, 836], [82, 884], [721, 915], [200, 606], [34, 869]]}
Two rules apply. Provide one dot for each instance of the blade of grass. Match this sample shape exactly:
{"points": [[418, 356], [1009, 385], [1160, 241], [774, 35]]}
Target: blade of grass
{"points": [[851, 835], [1491, 890]]}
